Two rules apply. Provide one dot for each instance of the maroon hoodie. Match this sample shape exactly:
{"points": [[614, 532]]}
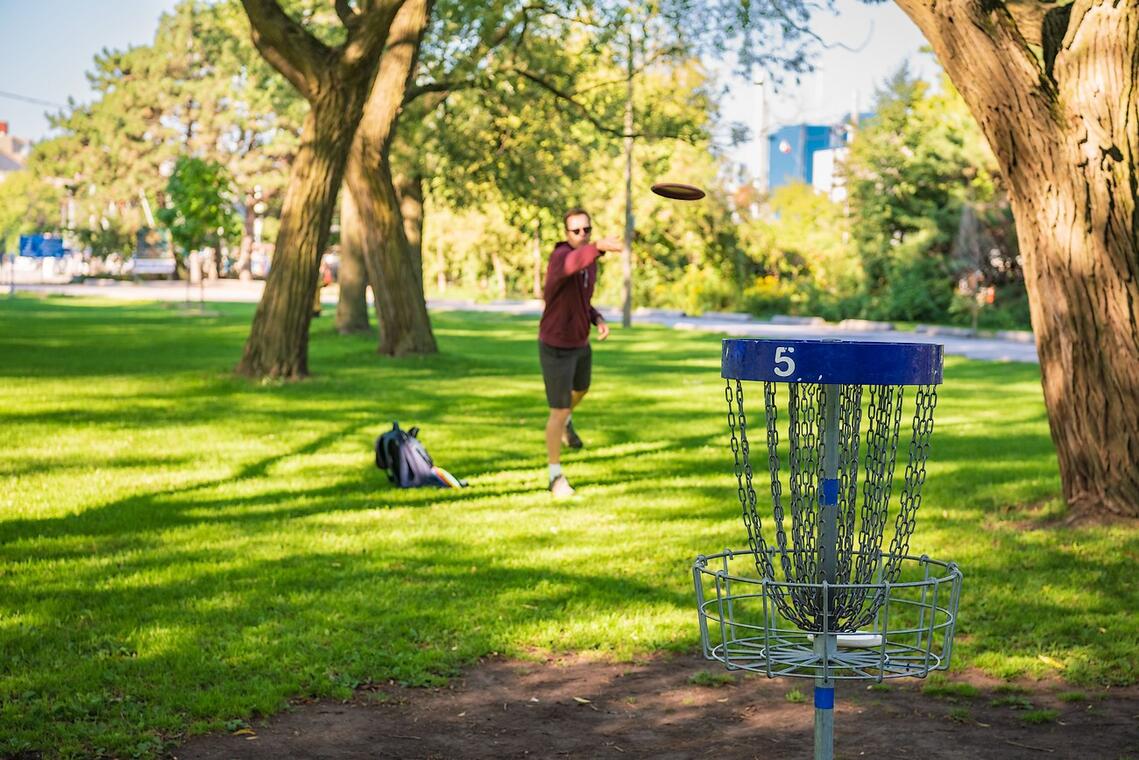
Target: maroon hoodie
{"points": [[570, 278]]}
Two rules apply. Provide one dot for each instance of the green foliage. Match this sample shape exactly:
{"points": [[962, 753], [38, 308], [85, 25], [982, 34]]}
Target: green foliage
{"points": [[200, 209], [28, 204], [801, 253], [911, 173], [485, 208], [199, 89]]}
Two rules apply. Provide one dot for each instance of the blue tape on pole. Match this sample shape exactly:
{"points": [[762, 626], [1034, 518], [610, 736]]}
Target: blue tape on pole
{"points": [[828, 494], [831, 361], [824, 698]]}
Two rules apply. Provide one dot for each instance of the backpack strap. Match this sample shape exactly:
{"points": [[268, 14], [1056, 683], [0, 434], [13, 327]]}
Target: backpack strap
{"points": [[387, 448]]}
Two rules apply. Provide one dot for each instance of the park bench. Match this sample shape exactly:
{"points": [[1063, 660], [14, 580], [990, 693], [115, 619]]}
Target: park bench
{"points": [[162, 267]]}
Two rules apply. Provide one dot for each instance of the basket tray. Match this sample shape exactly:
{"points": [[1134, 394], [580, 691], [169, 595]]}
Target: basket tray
{"points": [[911, 633]]}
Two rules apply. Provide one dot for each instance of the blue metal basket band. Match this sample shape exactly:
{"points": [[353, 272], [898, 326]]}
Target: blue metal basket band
{"points": [[831, 361]]}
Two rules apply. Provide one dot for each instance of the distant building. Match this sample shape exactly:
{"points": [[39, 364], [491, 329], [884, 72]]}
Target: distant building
{"points": [[14, 152], [825, 175], [792, 152]]}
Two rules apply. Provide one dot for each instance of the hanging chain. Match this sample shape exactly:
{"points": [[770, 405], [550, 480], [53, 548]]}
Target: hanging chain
{"points": [[883, 419], [910, 500], [740, 453], [847, 602], [850, 418]]}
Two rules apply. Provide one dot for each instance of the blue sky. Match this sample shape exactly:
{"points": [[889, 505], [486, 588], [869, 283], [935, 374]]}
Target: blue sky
{"points": [[48, 45]]}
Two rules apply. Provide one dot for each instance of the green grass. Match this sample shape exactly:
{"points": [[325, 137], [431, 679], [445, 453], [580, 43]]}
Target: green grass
{"points": [[1038, 717], [961, 715], [795, 696], [940, 686], [180, 548], [1009, 688], [1015, 701], [712, 680], [1073, 696]]}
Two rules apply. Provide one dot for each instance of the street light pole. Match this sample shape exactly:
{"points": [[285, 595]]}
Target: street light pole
{"points": [[627, 253]]}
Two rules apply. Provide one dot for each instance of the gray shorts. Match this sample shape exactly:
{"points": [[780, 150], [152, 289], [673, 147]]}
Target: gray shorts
{"points": [[563, 370]]}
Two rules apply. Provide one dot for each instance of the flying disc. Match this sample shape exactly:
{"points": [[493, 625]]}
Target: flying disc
{"points": [[678, 191]]}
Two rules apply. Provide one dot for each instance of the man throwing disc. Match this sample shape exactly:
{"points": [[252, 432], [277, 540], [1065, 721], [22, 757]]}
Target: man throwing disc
{"points": [[563, 335]]}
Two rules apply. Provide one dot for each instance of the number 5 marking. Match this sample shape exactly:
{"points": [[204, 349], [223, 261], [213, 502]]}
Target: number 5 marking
{"points": [[782, 358]]}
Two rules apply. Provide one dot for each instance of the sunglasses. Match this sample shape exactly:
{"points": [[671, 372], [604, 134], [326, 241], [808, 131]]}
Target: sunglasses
{"points": [[582, 231]]}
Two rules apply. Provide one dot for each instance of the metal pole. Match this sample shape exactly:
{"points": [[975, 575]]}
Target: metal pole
{"points": [[827, 641], [627, 253], [537, 259]]}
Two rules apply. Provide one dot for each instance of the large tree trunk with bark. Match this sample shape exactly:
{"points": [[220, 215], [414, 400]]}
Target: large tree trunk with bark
{"points": [[397, 282], [409, 192], [1065, 130], [278, 341], [336, 82], [401, 311], [352, 308]]}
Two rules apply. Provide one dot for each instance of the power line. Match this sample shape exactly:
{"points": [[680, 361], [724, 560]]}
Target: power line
{"points": [[26, 99]]}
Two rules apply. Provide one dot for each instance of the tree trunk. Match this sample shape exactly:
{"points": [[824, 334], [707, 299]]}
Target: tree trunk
{"points": [[397, 281], [409, 192], [336, 83], [537, 250], [278, 341], [352, 308], [1066, 134], [401, 310]]}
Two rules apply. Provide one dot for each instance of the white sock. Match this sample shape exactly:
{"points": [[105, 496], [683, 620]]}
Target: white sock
{"points": [[555, 470], [569, 420]]}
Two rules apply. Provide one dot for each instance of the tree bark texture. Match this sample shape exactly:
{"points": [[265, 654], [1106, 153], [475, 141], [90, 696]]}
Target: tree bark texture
{"points": [[352, 307], [1065, 130], [336, 83], [409, 192], [397, 282], [277, 346]]}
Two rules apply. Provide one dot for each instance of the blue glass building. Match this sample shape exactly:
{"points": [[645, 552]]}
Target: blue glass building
{"points": [[790, 150]]}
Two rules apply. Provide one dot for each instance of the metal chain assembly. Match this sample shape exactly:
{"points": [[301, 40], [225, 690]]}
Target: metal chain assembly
{"points": [[796, 513]]}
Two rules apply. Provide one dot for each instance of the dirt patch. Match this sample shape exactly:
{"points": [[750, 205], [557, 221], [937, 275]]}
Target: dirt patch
{"points": [[679, 707]]}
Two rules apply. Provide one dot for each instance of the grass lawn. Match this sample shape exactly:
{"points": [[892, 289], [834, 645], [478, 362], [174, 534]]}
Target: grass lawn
{"points": [[181, 550]]}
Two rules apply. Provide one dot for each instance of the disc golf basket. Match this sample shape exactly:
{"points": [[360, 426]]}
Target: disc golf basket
{"points": [[828, 588]]}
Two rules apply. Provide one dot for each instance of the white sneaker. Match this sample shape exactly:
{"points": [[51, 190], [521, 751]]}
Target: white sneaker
{"points": [[560, 488]]}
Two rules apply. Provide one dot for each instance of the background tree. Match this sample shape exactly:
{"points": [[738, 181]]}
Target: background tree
{"points": [[200, 88], [371, 218], [549, 155], [1055, 88], [911, 171], [28, 204], [200, 206], [548, 46]]}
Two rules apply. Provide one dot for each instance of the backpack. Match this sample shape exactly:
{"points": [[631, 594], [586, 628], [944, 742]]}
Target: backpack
{"points": [[407, 463]]}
